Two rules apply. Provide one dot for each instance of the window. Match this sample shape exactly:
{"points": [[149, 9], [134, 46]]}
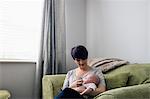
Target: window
{"points": [[20, 29]]}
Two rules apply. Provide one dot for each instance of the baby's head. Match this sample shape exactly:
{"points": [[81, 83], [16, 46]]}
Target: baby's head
{"points": [[91, 78]]}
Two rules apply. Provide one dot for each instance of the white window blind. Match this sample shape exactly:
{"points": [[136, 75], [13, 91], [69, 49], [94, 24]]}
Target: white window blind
{"points": [[20, 28]]}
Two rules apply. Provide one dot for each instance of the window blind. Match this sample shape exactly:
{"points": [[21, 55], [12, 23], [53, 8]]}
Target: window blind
{"points": [[20, 28]]}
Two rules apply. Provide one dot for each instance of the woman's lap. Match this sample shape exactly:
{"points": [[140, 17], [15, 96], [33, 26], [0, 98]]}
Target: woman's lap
{"points": [[69, 93]]}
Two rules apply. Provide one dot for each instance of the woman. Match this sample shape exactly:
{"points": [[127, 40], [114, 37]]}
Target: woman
{"points": [[73, 78]]}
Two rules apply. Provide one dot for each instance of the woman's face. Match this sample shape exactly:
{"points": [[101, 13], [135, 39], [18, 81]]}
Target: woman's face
{"points": [[82, 63]]}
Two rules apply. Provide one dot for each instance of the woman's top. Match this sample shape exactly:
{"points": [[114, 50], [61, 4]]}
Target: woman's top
{"points": [[71, 77]]}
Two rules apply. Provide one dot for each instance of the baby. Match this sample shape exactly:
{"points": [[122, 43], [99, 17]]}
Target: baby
{"points": [[89, 84]]}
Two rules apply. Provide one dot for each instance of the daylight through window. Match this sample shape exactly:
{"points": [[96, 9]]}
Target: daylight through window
{"points": [[20, 28]]}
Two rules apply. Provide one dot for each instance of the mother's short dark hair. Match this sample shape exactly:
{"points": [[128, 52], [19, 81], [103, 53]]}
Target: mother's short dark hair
{"points": [[79, 52]]}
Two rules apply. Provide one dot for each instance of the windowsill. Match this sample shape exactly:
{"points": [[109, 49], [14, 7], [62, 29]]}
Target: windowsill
{"points": [[17, 61]]}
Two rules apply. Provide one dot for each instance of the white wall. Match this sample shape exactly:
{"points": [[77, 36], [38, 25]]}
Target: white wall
{"points": [[148, 27], [75, 26], [119, 28], [18, 78]]}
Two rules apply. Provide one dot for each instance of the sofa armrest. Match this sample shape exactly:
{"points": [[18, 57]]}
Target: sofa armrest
{"points": [[51, 85], [4, 94], [131, 92]]}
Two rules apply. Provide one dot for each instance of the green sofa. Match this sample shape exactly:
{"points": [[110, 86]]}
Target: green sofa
{"points": [[4, 94], [126, 82]]}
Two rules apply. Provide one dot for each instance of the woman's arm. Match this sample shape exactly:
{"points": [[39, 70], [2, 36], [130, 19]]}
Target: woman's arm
{"points": [[66, 82], [102, 86], [100, 89]]}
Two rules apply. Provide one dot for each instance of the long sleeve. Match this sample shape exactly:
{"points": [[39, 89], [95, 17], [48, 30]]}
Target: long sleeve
{"points": [[101, 76], [66, 81]]}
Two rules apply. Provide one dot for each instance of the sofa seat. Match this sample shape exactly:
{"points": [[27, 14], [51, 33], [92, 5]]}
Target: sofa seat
{"points": [[4, 94]]}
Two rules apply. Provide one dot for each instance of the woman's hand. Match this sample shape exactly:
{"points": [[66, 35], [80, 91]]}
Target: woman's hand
{"points": [[76, 83]]}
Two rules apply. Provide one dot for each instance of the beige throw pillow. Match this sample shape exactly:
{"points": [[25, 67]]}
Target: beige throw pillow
{"points": [[107, 63]]}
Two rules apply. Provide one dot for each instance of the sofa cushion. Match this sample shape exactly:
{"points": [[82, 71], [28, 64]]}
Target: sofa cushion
{"points": [[146, 81], [138, 73], [116, 80], [141, 91]]}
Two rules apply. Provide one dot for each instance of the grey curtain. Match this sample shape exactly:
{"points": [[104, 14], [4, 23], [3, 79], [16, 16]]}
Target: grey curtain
{"points": [[52, 57]]}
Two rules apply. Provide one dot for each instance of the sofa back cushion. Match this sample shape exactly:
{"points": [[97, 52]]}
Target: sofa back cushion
{"points": [[138, 73], [116, 80]]}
